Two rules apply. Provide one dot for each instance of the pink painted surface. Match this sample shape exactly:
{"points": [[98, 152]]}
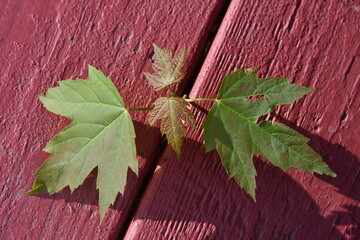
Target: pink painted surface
{"points": [[44, 41], [316, 43]]}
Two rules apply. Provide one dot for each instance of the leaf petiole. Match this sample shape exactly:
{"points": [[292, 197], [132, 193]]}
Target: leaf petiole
{"points": [[202, 99], [188, 100], [140, 109]]}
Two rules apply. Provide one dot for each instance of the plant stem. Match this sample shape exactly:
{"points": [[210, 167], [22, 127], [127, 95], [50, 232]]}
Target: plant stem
{"points": [[201, 99], [173, 93], [188, 100], [140, 109]]}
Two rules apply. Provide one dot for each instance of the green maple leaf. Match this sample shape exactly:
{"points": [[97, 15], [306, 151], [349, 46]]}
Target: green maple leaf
{"points": [[172, 112], [167, 69], [101, 135], [231, 128]]}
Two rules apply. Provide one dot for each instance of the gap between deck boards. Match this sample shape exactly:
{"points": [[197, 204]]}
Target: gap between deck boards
{"points": [[162, 147]]}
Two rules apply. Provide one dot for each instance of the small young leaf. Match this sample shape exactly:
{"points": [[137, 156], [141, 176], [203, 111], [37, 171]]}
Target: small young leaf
{"points": [[101, 135], [172, 112], [167, 69], [231, 128]]}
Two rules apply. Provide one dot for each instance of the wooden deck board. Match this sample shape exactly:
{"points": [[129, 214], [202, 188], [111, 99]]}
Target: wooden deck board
{"points": [[44, 41], [317, 45]]}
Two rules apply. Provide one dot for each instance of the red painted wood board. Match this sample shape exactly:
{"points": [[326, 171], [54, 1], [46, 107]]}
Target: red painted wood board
{"points": [[42, 42], [316, 43]]}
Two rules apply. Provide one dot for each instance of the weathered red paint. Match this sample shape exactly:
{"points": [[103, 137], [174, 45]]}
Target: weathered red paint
{"points": [[44, 41], [316, 43]]}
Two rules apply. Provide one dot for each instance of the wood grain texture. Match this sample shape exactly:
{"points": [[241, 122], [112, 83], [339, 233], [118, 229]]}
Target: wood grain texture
{"points": [[44, 41], [316, 43]]}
